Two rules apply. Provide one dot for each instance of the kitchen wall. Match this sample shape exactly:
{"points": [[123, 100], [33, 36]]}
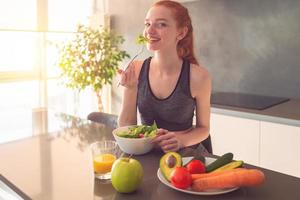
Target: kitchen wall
{"points": [[127, 18], [249, 46]]}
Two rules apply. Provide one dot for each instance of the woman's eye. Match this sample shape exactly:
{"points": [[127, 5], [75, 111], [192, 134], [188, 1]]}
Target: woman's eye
{"points": [[161, 25], [156, 25]]}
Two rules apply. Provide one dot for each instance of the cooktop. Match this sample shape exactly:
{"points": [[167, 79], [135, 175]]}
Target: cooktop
{"points": [[250, 101]]}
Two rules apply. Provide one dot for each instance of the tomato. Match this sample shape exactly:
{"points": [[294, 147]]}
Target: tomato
{"points": [[181, 178], [196, 167]]}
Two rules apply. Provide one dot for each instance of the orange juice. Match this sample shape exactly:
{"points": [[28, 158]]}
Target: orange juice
{"points": [[103, 163]]}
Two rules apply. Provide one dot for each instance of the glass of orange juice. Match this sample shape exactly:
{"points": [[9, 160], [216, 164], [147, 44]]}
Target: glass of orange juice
{"points": [[104, 154]]}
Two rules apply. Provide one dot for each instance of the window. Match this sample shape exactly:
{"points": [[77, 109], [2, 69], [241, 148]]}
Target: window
{"points": [[29, 77], [64, 15], [19, 17]]}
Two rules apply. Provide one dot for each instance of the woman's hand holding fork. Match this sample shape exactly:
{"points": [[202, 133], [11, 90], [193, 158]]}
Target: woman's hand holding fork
{"points": [[128, 76]]}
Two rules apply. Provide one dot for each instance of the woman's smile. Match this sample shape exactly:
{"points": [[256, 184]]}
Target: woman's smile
{"points": [[153, 39]]}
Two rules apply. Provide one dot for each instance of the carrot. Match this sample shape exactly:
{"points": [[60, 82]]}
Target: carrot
{"points": [[210, 174], [229, 179]]}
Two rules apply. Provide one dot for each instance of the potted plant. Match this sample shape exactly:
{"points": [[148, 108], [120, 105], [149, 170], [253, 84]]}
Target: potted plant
{"points": [[91, 59]]}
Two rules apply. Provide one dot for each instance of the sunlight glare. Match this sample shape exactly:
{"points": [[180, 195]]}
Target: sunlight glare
{"points": [[18, 51], [65, 15], [18, 14]]}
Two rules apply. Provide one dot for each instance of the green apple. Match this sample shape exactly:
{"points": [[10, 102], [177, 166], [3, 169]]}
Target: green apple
{"points": [[126, 175]]}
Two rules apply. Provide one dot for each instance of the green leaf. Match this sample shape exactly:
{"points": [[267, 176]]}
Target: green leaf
{"points": [[141, 39], [154, 126]]}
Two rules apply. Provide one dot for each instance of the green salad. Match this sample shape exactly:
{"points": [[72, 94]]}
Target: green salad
{"points": [[139, 131], [141, 39]]}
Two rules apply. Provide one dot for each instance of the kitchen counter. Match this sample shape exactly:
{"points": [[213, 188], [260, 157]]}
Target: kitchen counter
{"points": [[285, 113], [55, 163]]}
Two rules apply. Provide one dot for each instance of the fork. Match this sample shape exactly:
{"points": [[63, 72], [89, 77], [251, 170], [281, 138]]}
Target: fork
{"points": [[138, 53]]}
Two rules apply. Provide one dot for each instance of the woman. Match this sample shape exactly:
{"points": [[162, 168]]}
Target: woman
{"points": [[169, 87]]}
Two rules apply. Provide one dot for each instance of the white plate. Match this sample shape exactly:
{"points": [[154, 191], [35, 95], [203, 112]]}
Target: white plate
{"points": [[210, 192]]}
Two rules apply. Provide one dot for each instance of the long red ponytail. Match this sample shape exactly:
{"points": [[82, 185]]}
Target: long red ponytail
{"points": [[185, 47]]}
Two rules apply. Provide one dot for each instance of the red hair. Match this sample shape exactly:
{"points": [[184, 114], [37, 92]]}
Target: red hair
{"points": [[185, 47]]}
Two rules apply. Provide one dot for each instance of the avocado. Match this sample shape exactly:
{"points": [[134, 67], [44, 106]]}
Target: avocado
{"points": [[168, 162]]}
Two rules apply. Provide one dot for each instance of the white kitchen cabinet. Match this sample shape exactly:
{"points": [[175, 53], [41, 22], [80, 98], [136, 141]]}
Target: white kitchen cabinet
{"points": [[237, 135], [280, 148]]}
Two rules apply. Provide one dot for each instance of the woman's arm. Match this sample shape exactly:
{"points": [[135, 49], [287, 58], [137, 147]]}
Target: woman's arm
{"points": [[128, 114], [129, 79]]}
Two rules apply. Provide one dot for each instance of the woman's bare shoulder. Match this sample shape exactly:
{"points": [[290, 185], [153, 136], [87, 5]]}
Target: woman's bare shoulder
{"points": [[200, 79], [199, 73], [137, 64]]}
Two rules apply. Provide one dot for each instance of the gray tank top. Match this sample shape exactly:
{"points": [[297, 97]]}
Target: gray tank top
{"points": [[174, 113]]}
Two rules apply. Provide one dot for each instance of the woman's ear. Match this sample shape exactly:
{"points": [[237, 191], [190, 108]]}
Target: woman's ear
{"points": [[182, 33]]}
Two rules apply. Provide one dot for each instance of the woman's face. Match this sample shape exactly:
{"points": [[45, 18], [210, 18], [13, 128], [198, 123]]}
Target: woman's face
{"points": [[161, 29]]}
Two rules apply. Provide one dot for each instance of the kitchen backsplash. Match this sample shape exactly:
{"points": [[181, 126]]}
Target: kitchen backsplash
{"points": [[249, 46]]}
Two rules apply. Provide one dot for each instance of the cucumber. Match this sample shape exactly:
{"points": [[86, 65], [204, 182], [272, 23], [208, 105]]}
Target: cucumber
{"points": [[231, 165], [221, 161]]}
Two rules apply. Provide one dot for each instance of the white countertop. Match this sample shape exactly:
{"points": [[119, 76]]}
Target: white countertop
{"points": [[285, 113]]}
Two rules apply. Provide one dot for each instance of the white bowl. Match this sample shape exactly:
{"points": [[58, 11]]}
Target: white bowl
{"points": [[135, 146]]}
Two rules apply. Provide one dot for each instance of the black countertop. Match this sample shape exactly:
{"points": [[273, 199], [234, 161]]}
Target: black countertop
{"points": [[287, 112], [250, 101], [55, 165]]}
